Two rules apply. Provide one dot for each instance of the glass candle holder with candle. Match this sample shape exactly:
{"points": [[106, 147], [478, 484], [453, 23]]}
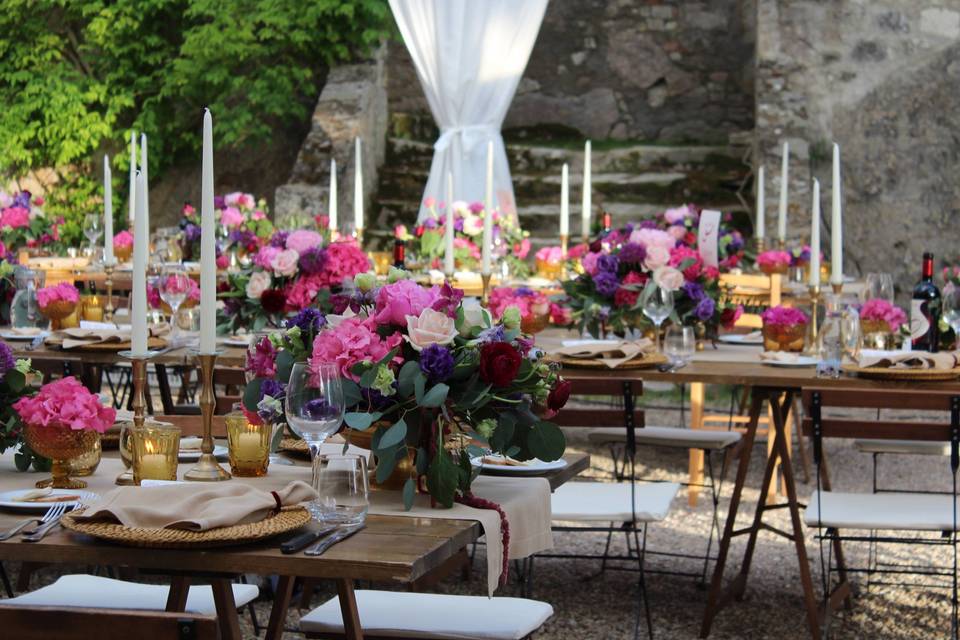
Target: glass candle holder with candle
{"points": [[156, 449], [248, 445]]}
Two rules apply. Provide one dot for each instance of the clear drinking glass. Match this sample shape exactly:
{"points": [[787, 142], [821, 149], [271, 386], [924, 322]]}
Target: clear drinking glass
{"points": [[658, 306], [879, 285], [92, 227], [174, 288], [951, 308], [679, 344], [343, 486], [314, 405]]}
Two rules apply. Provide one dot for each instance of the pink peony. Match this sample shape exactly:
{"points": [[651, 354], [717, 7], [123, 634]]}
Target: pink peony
{"points": [[65, 403], [231, 217], [656, 257], [353, 340], [560, 315], [401, 299], [344, 260], [14, 217], [550, 254], [879, 310], [265, 256], [63, 291], [783, 316], [650, 238], [302, 240], [123, 239], [302, 293], [285, 263], [679, 255]]}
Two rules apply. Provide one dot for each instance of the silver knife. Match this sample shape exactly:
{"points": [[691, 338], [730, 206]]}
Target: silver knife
{"points": [[334, 538], [41, 531]]}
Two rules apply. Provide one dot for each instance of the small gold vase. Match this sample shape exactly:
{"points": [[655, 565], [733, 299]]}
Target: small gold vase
{"points": [[86, 464], [405, 468], [60, 444], [62, 314]]}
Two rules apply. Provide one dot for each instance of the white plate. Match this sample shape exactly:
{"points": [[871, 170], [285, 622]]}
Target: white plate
{"points": [[801, 361], [8, 499], [13, 336], [235, 341], [529, 468], [192, 455], [742, 338]]}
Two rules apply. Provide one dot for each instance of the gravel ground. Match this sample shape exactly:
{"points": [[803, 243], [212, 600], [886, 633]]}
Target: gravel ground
{"points": [[588, 605]]}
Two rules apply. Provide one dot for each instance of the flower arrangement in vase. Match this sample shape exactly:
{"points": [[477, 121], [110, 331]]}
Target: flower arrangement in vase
{"points": [[524, 305], [123, 246], [243, 220], [774, 261], [784, 329], [683, 223], [24, 225], [57, 303], [880, 320], [14, 384]]}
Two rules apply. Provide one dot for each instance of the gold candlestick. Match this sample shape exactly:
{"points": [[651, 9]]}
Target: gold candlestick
{"points": [[837, 288], [138, 366], [485, 296], [108, 282], [207, 468], [782, 244], [759, 244], [564, 239], [359, 235], [814, 312]]}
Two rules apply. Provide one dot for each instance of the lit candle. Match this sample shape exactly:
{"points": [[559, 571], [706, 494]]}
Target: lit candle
{"points": [[138, 302], [836, 223], [132, 202], [107, 212], [333, 198], [208, 247], [358, 189], [488, 214], [565, 201], [146, 185], [448, 229], [784, 193], [587, 188], [758, 229], [815, 236], [248, 446], [153, 466]]}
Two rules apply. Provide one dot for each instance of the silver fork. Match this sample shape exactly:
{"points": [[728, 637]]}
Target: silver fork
{"points": [[50, 520]]}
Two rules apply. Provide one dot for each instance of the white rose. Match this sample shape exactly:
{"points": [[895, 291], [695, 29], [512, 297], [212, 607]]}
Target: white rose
{"points": [[472, 225], [668, 278], [657, 257], [285, 262], [474, 316], [431, 327], [257, 284]]}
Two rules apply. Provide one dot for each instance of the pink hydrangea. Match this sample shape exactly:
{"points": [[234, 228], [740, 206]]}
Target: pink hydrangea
{"points": [[550, 254], [589, 262], [344, 260], [681, 254], [65, 403], [123, 239], [774, 259], [303, 291], [351, 341], [784, 316], [879, 310], [401, 299], [231, 217], [522, 249], [63, 291], [302, 240], [14, 217]]}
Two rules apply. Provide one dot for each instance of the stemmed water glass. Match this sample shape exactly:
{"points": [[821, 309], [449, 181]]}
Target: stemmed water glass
{"points": [[951, 308], [92, 228], [879, 285], [314, 406], [658, 305], [174, 289]]}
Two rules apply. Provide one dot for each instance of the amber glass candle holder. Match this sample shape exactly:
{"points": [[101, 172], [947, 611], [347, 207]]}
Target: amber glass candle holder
{"points": [[248, 446], [784, 337], [156, 450]]}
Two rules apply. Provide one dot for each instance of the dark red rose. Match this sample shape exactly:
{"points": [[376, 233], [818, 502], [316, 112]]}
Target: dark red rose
{"points": [[273, 300], [499, 363], [729, 316], [689, 239], [559, 395]]}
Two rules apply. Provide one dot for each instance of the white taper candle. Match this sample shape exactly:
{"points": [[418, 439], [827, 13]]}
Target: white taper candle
{"points": [[448, 263], [145, 173], [784, 193], [758, 229], [333, 196], [836, 223], [107, 211], [138, 294], [132, 198], [815, 236], [587, 191], [358, 188], [487, 214], [208, 246], [565, 200]]}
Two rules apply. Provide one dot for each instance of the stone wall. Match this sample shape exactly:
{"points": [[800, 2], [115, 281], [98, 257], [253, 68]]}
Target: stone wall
{"points": [[655, 70], [881, 78]]}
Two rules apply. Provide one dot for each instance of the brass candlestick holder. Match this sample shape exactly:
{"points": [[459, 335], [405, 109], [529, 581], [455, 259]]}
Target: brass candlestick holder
{"points": [[564, 239], [782, 244], [207, 468], [108, 282], [759, 244], [837, 288], [814, 312], [138, 366], [485, 295], [359, 236]]}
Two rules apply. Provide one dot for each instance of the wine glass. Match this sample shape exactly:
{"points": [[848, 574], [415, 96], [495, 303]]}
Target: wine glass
{"points": [[880, 286], [679, 345], [314, 406], [92, 228], [658, 305], [951, 308], [174, 288]]}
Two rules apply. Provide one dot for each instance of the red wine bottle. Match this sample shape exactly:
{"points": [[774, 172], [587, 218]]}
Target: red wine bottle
{"points": [[399, 253], [925, 310]]}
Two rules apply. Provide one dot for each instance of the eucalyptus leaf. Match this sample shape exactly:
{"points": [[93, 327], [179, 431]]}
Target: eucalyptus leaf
{"points": [[351, 392], [503, 434], [405, 378], [386, 463], [15, 380], [394, 435], [368, 378], [409, 491], [285, 362], [419, 386], [546, 441], [360, 420], [442, 478], [435, 397], [251, 394]]}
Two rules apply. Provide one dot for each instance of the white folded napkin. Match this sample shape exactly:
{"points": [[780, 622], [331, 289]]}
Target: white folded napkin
{"points": [[909, 359]]}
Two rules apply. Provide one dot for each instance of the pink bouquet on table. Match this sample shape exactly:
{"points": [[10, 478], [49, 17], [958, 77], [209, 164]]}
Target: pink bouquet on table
{"points": [[783, 316], [774, 261], [879, 310], [65, 403], [551, 255], [123, 240], [63, 292], [530, 303], [351, 341]]}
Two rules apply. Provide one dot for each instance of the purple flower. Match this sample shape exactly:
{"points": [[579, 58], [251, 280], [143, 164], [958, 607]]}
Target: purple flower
{"points": [[632, 253], [430, 223], [436, 362], [693, 290], [705, 308], [191, 233], [272, 388], [606, 283], [458, 224], [22, 199], [376, 400], [493, 334], [219, 202], [319, 409], [279, 239], [448, 300], [523, 291], [242, 237], [648, 224], [312, 261], [7, 361], [608, 263], [309, 320]]}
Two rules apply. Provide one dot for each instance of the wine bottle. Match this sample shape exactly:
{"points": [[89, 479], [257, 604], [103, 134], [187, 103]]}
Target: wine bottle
{"points": [[925, 310], [399, 253]]}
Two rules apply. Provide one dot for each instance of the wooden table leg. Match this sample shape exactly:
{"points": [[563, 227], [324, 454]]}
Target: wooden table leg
{"points": [[281, 602], [696, 455], [226, 609], [177, 596], [349, 611]]}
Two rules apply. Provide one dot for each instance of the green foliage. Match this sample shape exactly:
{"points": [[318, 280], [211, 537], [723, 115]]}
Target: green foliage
{"points": [[76, 77]]}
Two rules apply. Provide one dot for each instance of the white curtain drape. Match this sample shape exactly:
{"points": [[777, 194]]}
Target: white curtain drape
{"points": [[469, 56]]}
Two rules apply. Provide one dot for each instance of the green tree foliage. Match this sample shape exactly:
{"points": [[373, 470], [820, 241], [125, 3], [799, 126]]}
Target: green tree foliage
{"points": [[77, 75]]}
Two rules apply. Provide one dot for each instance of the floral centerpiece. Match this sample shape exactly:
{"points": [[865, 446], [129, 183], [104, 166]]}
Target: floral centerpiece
{"points": [[784, 329], [57, 302], [532, 306], [14, 375], [24, 225], [549, 261], [879, 321], [63, 421], [774, 261], [293, 271], [683, 223], [243, 220], [123, 245]]}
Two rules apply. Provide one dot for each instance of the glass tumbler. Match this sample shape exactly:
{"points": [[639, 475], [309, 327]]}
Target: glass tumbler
{"points": [[342, 484]]}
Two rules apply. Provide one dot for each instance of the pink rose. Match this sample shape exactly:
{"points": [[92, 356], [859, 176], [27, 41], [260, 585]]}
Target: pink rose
{"points": [[258, 215], [657, 256], [285, 263], [223, 261], [401, 299], [429, 202], [65, 403], [302, 240], [430, 327], [258, 283], [265, 256], [668, 278], [231, 217], [246, 201]]}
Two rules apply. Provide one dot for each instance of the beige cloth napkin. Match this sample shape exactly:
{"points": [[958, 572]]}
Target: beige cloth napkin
{"points": [[610, 352], [77, 337], [192, 508], [909, 359], [786, 357], [526, 501]]}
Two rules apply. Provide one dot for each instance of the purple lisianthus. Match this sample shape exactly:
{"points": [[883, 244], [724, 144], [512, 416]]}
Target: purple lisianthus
{"points": [[430, 223], [191, 232], [376, 400], [312, 261], [632, 253], [279, 239], [319, 409], [705, 308], [608, 263], [458, 224], [309, 320], [693, 290], [493, 334], [437, 363], [606, 283], [273, 388], [219, 202], [7, 361], [339, 303], [22, 199]]}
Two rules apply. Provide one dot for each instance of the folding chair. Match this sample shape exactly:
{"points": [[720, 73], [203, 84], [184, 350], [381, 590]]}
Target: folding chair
{"points": [[76, 623]]}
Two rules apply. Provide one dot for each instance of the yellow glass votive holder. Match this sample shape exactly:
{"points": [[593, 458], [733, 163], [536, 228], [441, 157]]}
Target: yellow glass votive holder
{"points": [[248, 446], [156, 450]]}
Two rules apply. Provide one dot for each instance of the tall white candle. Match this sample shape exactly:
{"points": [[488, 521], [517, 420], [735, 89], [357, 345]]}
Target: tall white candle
{"points": [[107, 211], [758, 229], [132, 202], [836, 223], [146, 184], [784, 193], [208, 247], [448, 263], [333, 196], [138, 302], [587, 191], [815, 236], [488, 214], [358, 188], [565, 201]]}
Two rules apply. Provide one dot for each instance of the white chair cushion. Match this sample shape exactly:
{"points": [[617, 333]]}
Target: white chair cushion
{"points": [[669, 437], [610, 502], [429, 615], [917, 447], [96, 592], [902, 511]]}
